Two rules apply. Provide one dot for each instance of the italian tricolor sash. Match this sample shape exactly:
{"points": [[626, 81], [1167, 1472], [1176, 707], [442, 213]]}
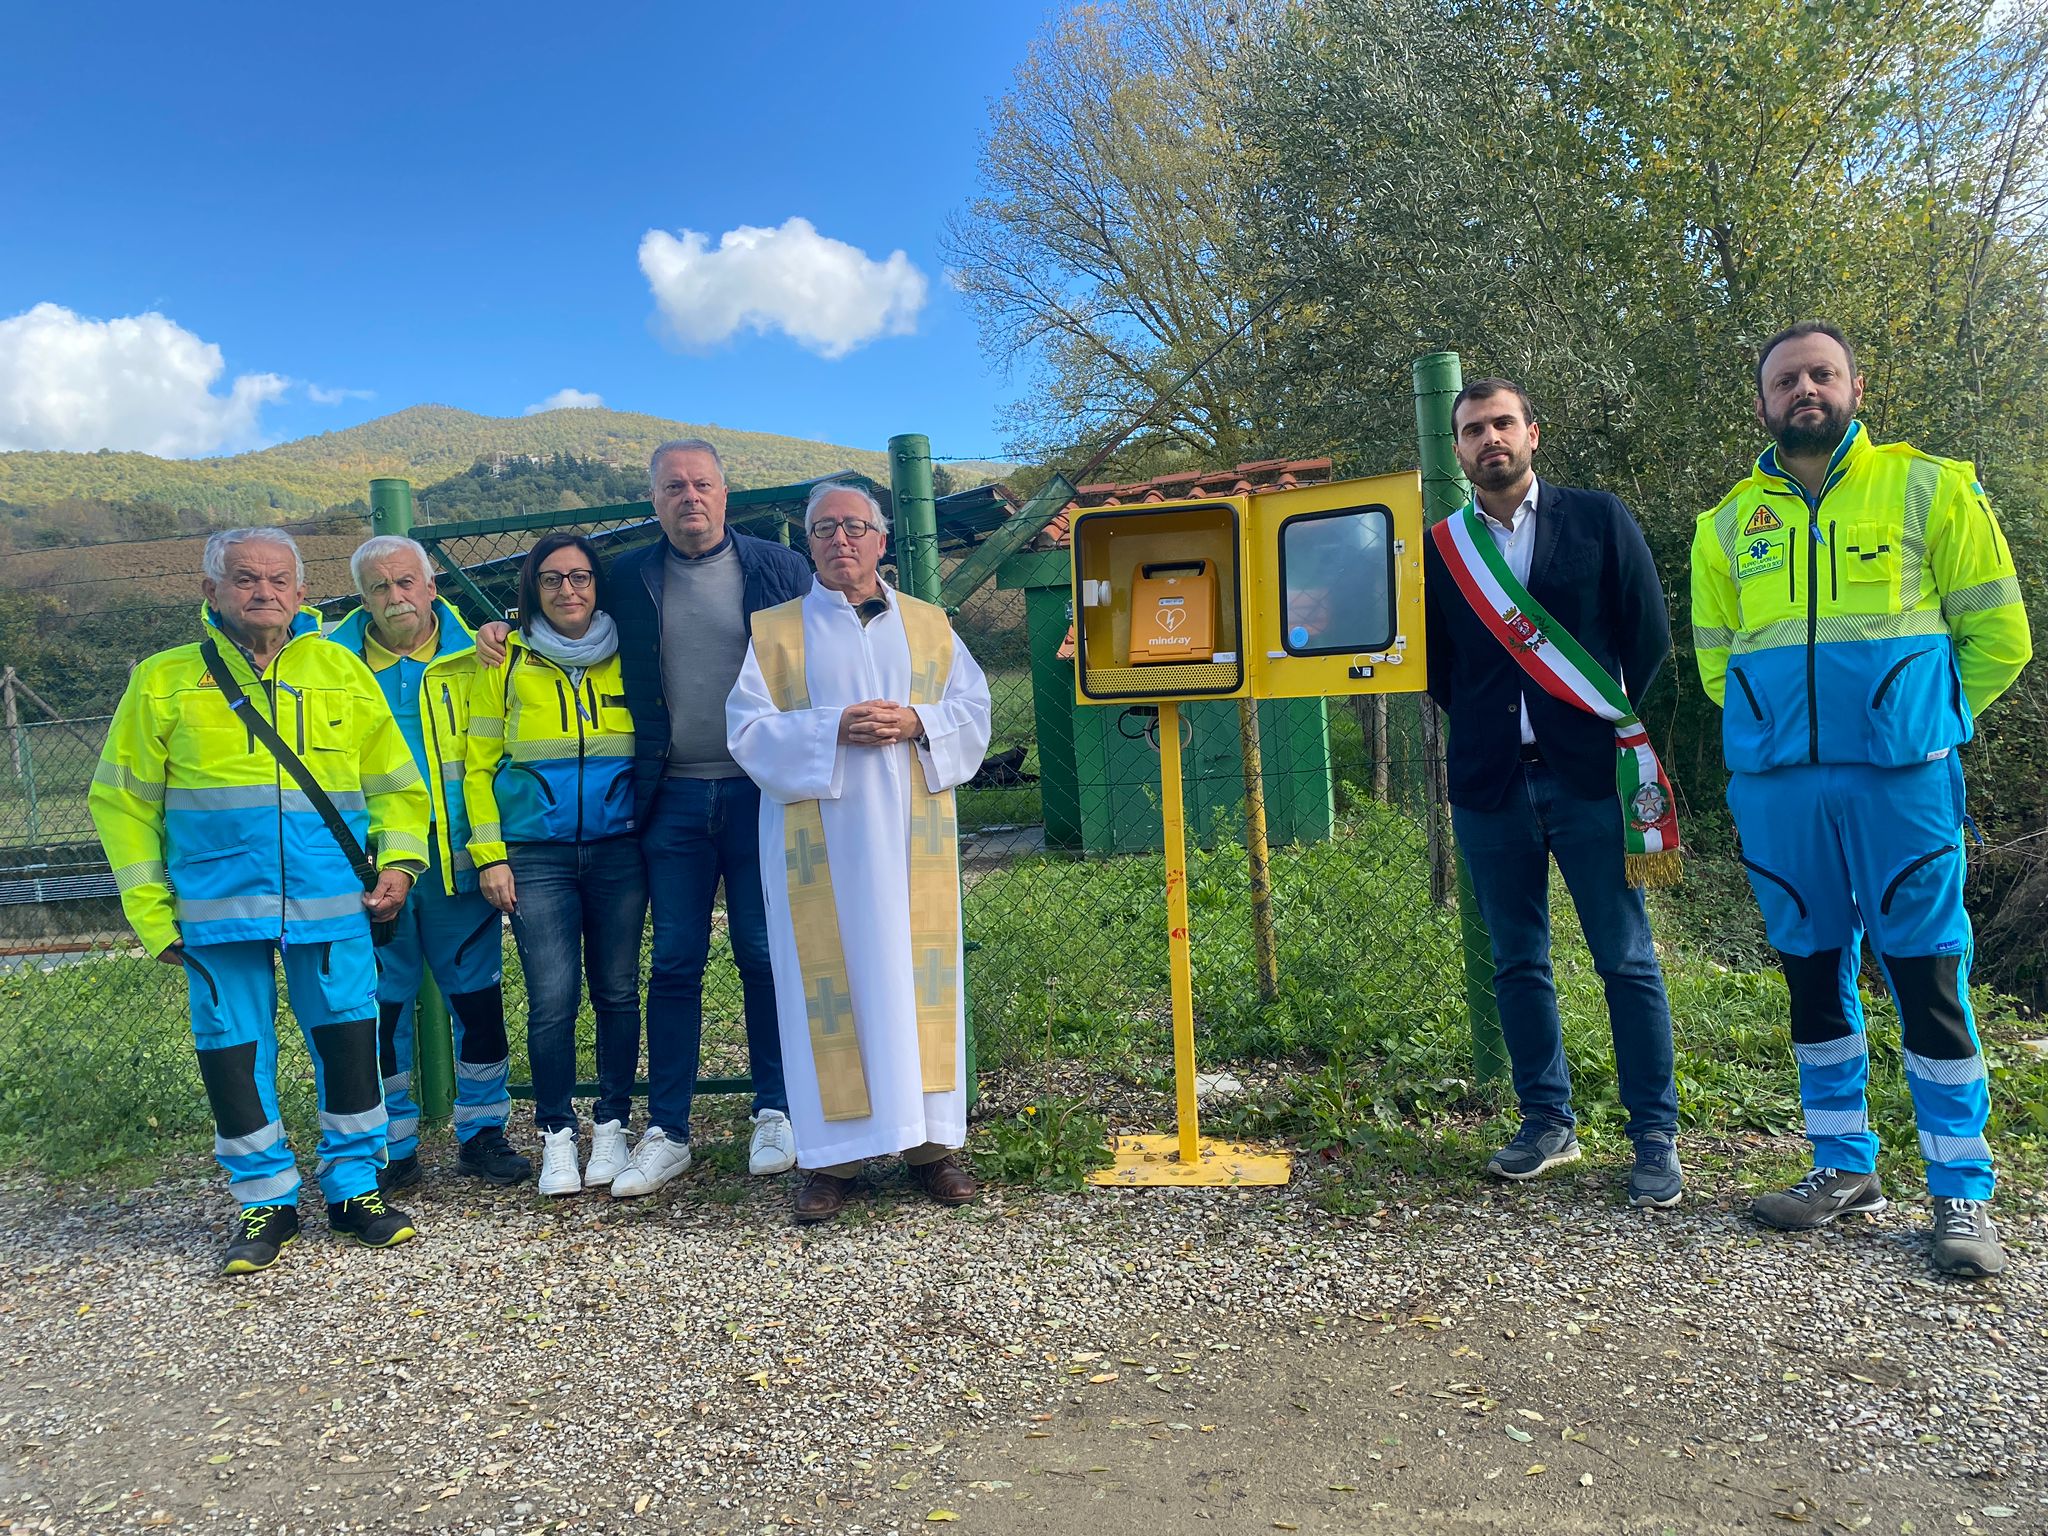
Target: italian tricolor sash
{"points": [[934, 875], [1561, 667]]}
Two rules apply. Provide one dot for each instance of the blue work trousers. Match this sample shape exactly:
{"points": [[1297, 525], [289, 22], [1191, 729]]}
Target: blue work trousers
{"points": [[1835, 849], [232, 989], [581, 910], [699, 832], [1508, 850], [459, 940]]}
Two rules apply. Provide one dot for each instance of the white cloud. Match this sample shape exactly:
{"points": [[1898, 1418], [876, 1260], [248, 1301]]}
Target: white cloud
{"points": [[140, 382], [822, 293], [566, 400], [321, 395]]}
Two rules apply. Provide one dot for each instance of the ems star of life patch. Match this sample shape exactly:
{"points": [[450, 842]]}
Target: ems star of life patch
{"points": [[1762, 520]]}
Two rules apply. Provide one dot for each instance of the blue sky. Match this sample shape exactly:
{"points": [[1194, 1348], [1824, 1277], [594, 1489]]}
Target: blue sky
{"points": [[384, 205]]}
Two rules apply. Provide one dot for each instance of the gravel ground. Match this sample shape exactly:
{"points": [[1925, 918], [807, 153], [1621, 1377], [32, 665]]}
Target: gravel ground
{"points": [[695, 1363]]}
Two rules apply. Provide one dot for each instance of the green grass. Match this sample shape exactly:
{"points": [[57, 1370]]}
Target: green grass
{"points": [[1365, 1051]]}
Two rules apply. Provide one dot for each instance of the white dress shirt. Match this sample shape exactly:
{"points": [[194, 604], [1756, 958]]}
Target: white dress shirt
{"points": [[1516, 539]]}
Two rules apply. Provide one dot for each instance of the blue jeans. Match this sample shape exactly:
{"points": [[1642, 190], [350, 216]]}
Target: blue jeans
{"points": [[587, 902], [699, 831], [1508, 850]]}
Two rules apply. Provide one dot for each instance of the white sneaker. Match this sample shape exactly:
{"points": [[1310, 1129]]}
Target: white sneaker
{"points": [[558, 1175], [654, 1162], [609, 1153], [773, 1149]]}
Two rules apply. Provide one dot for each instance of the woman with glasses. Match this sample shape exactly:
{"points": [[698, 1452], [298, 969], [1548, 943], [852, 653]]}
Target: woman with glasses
{"points": [[549, 785]]}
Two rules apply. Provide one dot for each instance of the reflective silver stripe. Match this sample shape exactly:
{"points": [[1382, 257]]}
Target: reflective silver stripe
{"points": [[120, 776], [398, 1082], [1923, 478], [264, 1191], [353, 1125], [402, 845], [256, 1141], [391, 783], [401, 1129], [496, 1110], [145, 872], [489, 727], [1836, 1122], [1708, 638], [1828, 1052], [1952, 1073], [1999, 592], [1954, 1149], [453, 772], [1841, 628], [1726, 516], [487, 832], [257, 797], [481, 1071], [462, 860], [223, 909], [555, 748]]}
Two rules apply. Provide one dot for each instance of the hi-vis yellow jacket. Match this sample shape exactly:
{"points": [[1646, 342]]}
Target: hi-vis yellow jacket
{"points": [[444, 722], [211, 842], [550, 757], [1870, 624]]}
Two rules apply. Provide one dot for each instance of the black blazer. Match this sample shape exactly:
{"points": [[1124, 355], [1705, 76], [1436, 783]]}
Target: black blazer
{"points": [[771, 573], [1592, 572]]}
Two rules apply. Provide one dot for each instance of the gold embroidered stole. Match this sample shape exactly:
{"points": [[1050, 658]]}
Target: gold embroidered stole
{"points": [[934, 876]]}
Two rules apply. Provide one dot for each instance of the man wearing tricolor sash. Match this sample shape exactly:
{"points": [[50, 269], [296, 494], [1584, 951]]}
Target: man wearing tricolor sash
{"points": [[857, 712], [1546, 624]]}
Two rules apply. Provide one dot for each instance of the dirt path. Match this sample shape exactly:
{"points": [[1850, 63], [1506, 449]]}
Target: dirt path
{"points": [[1090, 1364]]}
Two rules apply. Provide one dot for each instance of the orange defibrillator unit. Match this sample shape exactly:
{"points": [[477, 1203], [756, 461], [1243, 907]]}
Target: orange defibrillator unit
{"points": [[1173, 612]]}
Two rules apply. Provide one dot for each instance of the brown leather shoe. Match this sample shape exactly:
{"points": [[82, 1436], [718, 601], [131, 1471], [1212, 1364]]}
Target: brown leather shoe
{"points": [[947, 1180], [821, 1196]]}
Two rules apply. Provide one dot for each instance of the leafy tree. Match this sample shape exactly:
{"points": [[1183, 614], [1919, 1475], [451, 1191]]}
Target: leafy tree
{"points": [[1103, 256]]}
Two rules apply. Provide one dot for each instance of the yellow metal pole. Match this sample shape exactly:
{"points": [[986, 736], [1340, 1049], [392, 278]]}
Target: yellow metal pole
{"points": [[1174, 817]]}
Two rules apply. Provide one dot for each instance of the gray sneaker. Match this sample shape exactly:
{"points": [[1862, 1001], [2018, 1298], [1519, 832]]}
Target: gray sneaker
{"points": [[1966, 1239], [1818, 1199], [1657, 1181], [1539, 1146]]}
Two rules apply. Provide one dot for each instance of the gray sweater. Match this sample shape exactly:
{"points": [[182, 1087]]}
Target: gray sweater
{"points": [[703, 646]]}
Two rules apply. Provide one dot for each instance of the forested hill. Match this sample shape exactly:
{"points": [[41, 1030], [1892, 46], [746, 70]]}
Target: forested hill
{"points": [[424, 443]]}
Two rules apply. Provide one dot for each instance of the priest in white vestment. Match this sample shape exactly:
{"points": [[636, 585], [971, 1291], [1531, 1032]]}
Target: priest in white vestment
{"points": [[857, 711]]}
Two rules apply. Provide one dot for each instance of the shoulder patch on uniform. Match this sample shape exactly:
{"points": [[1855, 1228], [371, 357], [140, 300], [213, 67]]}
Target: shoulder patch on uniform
{"points": [[1762, 520]]}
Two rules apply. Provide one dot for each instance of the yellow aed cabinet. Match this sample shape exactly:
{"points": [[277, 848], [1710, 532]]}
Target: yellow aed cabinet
{"points": [[1280, 595]]}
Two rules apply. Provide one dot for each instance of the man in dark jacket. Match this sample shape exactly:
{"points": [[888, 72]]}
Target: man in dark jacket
{"points": [[682, 606], [1533, 777]]}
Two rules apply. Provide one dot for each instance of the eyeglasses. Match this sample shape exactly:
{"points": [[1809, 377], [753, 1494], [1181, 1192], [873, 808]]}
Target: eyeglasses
{"points": [[551, 581], [825, 529]]}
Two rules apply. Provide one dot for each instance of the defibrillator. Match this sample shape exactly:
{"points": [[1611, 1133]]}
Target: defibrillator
{"points": [[1173, 612]]}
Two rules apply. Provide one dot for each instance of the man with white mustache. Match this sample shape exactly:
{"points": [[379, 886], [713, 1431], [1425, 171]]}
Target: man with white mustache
{"points": [[423, 657]]}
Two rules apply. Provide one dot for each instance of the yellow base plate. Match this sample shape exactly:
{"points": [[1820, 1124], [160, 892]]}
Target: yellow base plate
{"points": [[1155, 1160]]}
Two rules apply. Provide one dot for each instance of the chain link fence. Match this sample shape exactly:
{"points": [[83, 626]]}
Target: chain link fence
{"points": [[1061, 870]]}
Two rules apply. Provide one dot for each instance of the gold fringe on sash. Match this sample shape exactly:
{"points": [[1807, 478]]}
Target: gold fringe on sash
{"points": [[1654, 871], [934, 876]]}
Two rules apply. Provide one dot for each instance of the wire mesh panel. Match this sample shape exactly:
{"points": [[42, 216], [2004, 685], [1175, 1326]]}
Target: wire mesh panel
{"points": [[1354, 919]]}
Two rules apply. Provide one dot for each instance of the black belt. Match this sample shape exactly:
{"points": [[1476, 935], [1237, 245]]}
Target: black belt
{"points": [[1531, 753]]}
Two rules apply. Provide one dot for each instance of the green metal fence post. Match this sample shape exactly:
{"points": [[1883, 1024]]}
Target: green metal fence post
{"points": [[432, 1034], [1438, 378], [917, 518]]}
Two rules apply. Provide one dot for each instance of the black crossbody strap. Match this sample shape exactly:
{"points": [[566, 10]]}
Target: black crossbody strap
{"points": [[239, 701]]}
